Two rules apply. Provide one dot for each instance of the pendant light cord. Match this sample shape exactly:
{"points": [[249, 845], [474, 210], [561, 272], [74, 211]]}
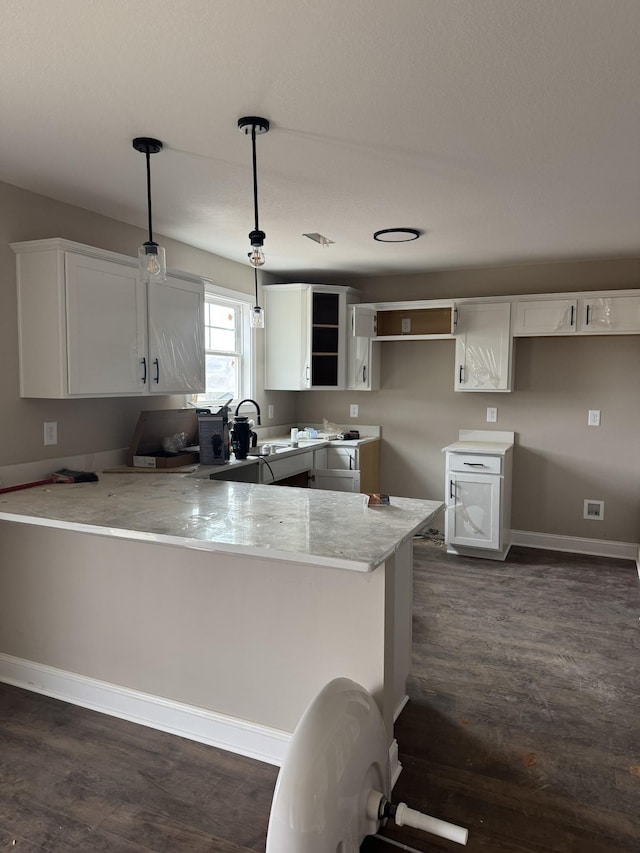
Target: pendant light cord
{"points": [[255, 276], [255, 177], [149, 193]]}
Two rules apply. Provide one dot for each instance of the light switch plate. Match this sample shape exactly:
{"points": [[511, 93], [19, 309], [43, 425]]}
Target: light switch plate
{"points": [[353, 410], [270, 411], [492, 415], [593, 418]]}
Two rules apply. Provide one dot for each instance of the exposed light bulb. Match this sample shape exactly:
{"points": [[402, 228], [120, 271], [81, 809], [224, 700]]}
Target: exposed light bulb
{"points": [[257, 317], [256, 257], [152, 261]]}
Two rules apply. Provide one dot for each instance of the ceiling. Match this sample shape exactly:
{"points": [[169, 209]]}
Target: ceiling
{"points": [[507, 131]]}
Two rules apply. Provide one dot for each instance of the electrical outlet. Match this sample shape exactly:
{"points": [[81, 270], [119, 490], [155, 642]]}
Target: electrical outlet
{"points": [[593, 418], [270, 411], [50, 432], [593, 510], [353, 410], [492, 415], [406, 325]]}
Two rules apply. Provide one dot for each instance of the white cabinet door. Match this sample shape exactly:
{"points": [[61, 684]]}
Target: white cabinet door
{"points": [[473, 510], [545, 317], [176, 337], [335, 480], [610, 315], [484, 347], [363, 354], [106, 327]]}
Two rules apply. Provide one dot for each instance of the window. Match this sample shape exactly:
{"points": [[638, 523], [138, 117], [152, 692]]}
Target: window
{"points": [[227, 342]]}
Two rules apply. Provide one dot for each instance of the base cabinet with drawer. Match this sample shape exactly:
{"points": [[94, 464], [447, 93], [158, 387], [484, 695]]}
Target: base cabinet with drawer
{"points": [[478, 494], [347, 468]]}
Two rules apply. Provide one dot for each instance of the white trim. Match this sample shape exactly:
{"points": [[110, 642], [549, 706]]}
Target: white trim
{"points": [[395, 767], [400, 707], [576, 545], [198, 724]]}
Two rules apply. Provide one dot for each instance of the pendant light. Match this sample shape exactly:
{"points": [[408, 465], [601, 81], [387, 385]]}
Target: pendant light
{"points": [[255, 126], [257, 314], [151, 256]]}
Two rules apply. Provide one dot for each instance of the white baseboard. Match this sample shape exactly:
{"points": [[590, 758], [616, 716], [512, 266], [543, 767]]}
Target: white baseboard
{"points": [[229, 733], [576, 545]]}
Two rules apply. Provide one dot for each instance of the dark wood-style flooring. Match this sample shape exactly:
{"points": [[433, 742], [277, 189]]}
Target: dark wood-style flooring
{"points": [[523, 725]]}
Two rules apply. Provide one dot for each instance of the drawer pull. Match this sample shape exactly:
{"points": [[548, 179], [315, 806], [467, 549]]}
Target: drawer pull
{"points": [[452, 490], [474, 464]]}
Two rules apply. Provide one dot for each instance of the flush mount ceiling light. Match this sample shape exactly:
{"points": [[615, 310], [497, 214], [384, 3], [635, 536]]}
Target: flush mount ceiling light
{"points": [[151, 256], [396, 235]]}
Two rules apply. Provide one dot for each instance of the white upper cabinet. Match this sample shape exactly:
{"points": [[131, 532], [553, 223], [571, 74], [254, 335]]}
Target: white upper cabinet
{"points": [[306, 333], [363, 353], [484, 347], [609, 315], [176, 337], [89, 328], [545, 317]]}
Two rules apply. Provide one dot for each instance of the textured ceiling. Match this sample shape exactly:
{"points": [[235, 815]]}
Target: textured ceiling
{"points": [[507, 130]]}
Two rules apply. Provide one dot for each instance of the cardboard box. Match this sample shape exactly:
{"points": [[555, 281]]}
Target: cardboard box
{"points": [[146, 449], [214, 439]]}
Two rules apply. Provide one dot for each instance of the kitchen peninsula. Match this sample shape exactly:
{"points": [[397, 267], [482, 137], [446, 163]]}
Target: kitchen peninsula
{"points": [[211, 609]]}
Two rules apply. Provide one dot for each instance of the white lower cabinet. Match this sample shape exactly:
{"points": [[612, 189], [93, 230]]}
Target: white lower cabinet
{"points": [[353, 468], [478, 496], [484, 347], [88, 327]]}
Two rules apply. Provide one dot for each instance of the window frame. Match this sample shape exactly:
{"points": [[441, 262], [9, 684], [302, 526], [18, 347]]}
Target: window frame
{"points": [[243, 304]]}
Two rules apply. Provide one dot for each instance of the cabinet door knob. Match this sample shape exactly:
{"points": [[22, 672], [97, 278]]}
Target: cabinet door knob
{"points": [[157, 364], [144, 377]]}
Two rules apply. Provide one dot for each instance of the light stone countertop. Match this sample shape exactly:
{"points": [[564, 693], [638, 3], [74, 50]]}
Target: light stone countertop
{"points": [[493, 447], [332, 529]]}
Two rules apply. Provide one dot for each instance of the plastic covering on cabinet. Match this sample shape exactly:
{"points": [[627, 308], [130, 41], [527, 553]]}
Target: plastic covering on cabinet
{"points": [[480, 366]]}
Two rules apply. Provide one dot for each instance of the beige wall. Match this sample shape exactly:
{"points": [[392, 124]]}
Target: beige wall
{"points": [[558, 461], [86, 426]]}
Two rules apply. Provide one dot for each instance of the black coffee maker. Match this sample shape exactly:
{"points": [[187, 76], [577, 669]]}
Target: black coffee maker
{"points": [[242, 437]]}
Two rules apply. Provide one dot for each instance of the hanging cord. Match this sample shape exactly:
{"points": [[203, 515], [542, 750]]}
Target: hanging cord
{"points": [[255, 176], [148, 153]]}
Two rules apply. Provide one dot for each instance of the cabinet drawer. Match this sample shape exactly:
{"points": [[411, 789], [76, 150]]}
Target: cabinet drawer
{"points": [[475, 462], [342, 458]]}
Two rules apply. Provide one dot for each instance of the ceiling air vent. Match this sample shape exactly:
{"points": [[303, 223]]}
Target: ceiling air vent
{"points": [[319, 238]]}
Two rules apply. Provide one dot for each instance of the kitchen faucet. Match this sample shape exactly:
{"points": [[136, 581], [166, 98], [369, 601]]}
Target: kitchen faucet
{"points": [[247, 400]]}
